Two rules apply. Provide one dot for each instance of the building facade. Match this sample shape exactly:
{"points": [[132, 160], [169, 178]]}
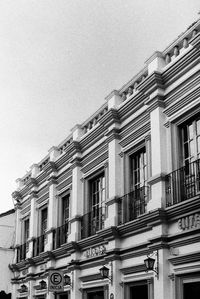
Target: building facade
{"points": [[123, 186], [7, 231]]}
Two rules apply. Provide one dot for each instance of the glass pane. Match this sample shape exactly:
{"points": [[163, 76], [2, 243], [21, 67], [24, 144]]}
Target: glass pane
{"points": [[191, 145], [198, 127], [191, 132], [185, 134], [198, 145], [191, 290]]}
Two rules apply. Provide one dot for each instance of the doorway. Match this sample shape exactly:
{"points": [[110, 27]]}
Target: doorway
{"points": [[139, 291], [96, 295], [191, 290]]}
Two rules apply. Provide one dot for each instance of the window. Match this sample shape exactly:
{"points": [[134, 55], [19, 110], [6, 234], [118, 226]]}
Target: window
{"points": [[138, 163], [190, 147], [139, 289], [43, 221], [65, 209], [190, 135], [188, 286], [93, 220], [26, 230]]}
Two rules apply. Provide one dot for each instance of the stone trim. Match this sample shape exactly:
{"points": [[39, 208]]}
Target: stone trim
{"points": [[113, 93], [157, 102], [75, 218], [186, 258], [52, 180], [133, 269], [157, 178], [113, 135]]}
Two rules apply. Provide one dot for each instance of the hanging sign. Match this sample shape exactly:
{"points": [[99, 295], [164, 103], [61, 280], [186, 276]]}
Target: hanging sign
{"points": [[56, 281]]}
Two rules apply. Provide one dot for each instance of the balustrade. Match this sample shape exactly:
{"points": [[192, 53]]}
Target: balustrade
{"points": [[132, 205], [92, 222], [60, 235], [183, 183]]}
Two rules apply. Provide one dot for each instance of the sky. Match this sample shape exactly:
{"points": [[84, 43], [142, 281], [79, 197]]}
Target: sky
{"points": [[59, 59]]}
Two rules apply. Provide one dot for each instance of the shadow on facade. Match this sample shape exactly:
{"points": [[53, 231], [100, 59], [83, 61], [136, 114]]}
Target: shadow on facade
{"points": [[3, 295]]}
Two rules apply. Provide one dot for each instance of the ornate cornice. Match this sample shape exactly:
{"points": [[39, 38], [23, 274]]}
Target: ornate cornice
{"points": [[152, 83], [16, 195], [52, 180], [195, 41], [157, 101], [133, 269], [186, 258], [76, 162], [113, 134], [111, 117]]}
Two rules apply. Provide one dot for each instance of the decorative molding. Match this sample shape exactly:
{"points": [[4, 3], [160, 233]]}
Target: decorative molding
{"points": [[112, 201], [171, 276], [52, 180], [155, 103], [113, 134], [157, 178], [186, 258], [133, 269]]}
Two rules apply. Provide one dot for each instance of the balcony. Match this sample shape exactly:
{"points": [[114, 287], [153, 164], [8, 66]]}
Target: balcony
{"points": [[183, 183], [21, 252], [92, 222], [38, 245], [60, 235], [132, 205]]}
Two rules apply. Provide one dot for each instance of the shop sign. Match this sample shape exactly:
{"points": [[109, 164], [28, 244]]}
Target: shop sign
{"points": [[56, 281], [189, 222], [95, 251]]}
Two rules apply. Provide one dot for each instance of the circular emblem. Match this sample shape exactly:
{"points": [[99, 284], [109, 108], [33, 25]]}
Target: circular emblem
{"points": [[111, 296], [56, 278]]}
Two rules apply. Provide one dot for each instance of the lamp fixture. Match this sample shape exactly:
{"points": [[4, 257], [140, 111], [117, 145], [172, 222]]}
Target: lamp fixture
{"points": [[150, 261], [104, 272], [24, 288], [43, 284], [67, 280]]}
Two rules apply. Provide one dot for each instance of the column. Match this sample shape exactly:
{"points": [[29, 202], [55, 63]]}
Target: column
{"points": [[17, 197], [53, 199], [156, 62], [162, 285], [77, 186], [115, 183], [33, 215], [115, 286], [159, 157]]}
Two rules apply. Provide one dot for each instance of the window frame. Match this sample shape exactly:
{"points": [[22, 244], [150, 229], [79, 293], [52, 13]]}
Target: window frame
{"points": [[184, 279]]}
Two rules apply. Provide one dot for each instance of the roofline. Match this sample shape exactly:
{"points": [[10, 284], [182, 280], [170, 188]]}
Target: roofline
{"points": [[12, 211]]}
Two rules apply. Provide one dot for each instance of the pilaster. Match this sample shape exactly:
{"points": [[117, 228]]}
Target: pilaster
{"points": [[159, 149]]}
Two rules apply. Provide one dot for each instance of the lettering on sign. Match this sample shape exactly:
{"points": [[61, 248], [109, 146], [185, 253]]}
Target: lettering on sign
{"points": [[95, 251], [189, 222]]}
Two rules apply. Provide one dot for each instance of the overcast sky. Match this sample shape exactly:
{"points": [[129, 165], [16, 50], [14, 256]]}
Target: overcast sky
{"points": [[59, 59]]}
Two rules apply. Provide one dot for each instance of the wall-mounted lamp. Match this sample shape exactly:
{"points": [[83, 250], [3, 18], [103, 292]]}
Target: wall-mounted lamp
{"points": [[104, 271], [67, 281], [43, 284], [150, 262], [24, 288]]}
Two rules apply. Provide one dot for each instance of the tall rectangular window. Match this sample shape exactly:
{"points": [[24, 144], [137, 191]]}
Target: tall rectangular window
{"points": [[26, 230], [44, 221], [191, 141], [65, 209], [138, 165]]}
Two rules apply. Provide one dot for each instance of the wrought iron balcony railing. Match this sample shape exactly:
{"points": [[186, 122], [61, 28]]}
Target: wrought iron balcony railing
{"points": [[60, 235], [132, 205], [38, 245], [21, 252], [183, 183], [92, 222]]}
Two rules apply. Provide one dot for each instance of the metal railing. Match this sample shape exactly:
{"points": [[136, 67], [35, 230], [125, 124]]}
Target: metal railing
{"points": [[132, 205], [21, 252], [92, 222], [60, 235], [38, 245], [183, 183]]}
